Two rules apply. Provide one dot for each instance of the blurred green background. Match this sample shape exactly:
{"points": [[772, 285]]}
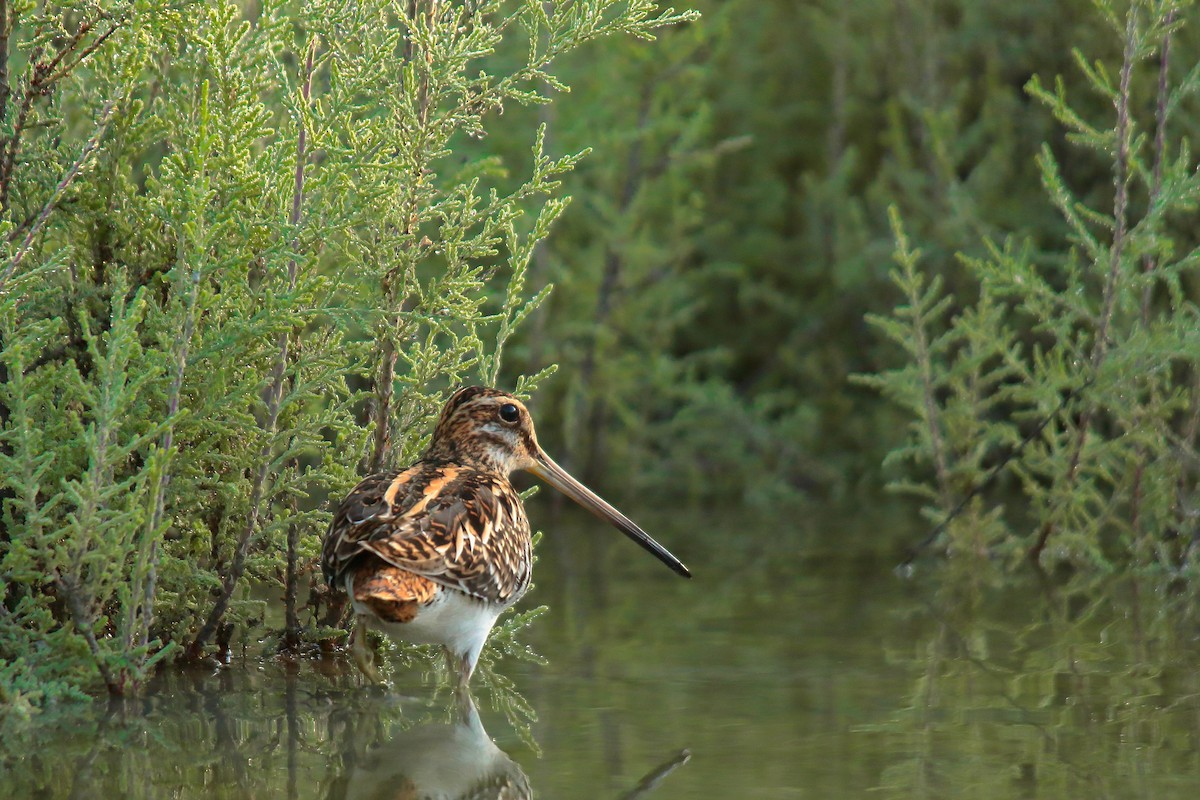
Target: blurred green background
{"points": [[729, 231]]}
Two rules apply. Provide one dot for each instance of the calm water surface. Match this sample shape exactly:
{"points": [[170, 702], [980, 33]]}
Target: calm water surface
{"points": [[784, 669]]}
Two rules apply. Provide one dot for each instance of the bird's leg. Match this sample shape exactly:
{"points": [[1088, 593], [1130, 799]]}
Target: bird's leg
{"points": [[360, 649], [465, 668], [459, 669]]}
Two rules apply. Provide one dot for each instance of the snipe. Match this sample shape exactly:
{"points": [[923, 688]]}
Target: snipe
{"points": [[434, 553]]}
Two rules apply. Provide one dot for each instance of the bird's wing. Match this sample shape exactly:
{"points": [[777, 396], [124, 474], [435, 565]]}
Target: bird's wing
{"points": [[456, 526]]}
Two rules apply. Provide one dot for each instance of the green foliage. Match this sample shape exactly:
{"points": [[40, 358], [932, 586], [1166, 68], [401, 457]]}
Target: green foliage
{"points": [[1075, 373], [245, 254], [638, 394], [733, 230], [621, 263]]}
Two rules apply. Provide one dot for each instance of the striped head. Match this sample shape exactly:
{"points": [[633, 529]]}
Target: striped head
{"points": [[491, 431], [487, 429]]}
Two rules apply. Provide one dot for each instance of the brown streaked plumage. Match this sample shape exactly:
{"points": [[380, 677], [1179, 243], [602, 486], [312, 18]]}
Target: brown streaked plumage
{"points": [[392, 594], [434, 553]]}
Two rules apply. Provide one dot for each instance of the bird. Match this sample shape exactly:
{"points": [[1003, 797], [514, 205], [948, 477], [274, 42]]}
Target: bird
{"points": [[436, 552], [453, 760]]}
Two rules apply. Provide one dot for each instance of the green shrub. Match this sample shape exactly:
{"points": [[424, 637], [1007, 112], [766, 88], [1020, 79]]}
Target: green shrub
{"points": [[1071, 379], [245, 253]]}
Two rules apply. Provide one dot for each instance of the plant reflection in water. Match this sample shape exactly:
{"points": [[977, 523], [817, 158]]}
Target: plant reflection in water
{"points": [[1062, 686], [275, 729], [971, 678]]}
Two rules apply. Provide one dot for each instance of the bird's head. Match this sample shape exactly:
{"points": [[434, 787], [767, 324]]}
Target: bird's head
{"points": [[487, 429], [492, 431]]}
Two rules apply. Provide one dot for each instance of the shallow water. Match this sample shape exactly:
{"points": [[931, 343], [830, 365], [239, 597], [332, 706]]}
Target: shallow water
{"points": [[785, 669]]}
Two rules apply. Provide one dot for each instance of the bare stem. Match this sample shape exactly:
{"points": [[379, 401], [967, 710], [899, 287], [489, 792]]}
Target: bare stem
{"points": [[274, 402], [56, 195], [291, 632], [1120, 199], [381, 441], [385, 375], [182, 346], [13, 146], [1160, 146], [6, 27], [1148, 262], [1120, 220], [291, 622], [81, 618], [42, 77], [66, 69], [940, 462]]}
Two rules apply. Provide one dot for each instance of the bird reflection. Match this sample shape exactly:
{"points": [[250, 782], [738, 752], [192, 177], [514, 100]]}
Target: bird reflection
{"points": [[439, 761]]}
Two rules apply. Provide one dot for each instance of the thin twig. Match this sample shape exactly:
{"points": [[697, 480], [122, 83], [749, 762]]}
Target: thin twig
{"points": [[382, 403], [182, 347], [81, 618], [42, 77], [1121, 198], [381, 410], [5, 31], [12, 146], [1149, 265], [1160, 145], [67, 180], [158, 512], [46, 73], [991, 475], [291, 621], [906, 258], [66, 69], [1120, 203], [274, 401]]}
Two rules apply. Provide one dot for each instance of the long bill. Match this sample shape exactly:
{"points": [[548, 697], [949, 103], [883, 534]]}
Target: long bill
{"points": [[556, 476]]}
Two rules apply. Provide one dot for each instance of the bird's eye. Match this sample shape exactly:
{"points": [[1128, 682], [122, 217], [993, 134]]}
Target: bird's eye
{"points": [[509, 413]]}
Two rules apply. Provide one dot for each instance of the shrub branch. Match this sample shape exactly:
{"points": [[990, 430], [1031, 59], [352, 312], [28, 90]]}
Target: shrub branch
{"points": [[274, 394]]}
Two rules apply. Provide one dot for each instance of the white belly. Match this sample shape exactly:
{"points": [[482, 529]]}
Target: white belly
{"points": [[454, 620]]}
